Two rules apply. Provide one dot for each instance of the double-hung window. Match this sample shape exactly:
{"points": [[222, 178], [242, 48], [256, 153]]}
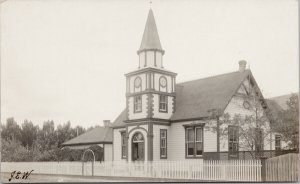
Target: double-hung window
{"points": [[259, 140], [123, 144], [277, 142], [138, 104], [163, 143], [163, 103], [233, 140], [194, 141]]}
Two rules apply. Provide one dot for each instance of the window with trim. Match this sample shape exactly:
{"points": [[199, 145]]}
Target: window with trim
{"points": [[259, 140], [277, 142], [163, 103], [233, 140], [194, 141], [163, 143], [138, 104], [123, 144]]}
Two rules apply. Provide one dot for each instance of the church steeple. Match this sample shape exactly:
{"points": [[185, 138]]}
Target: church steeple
{"points": [[150, 39], [150, 52], [150, 90]]}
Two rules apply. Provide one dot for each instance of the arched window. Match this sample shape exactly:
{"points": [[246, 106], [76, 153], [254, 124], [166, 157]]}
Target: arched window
{"points": [[138, 146], [138, 137]]}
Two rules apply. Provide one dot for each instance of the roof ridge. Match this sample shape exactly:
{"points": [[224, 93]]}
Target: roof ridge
{"points": [[193, 80], [294, 93]]}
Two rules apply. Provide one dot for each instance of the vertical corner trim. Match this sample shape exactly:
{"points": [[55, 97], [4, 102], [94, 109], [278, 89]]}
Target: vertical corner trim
{"points": [[150, 141]]}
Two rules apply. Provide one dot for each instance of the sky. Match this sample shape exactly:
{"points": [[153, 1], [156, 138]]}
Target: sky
{"points": [[65, 60]]}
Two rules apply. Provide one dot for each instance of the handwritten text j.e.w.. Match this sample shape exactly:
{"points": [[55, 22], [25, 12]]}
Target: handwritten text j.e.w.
{"points": [[18, 175]]}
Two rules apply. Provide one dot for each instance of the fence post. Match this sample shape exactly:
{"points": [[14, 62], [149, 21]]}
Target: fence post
{"points": [[263, 168], [93, 168], [82, 168]]}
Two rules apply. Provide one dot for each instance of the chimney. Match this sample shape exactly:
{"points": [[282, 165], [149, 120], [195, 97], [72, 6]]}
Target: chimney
{"points": [[106, 123], [242, 65]]}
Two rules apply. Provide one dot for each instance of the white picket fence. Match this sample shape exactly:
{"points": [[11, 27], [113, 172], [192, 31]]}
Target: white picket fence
{"points": [[212, 170], [283, 168], [233, 170]]}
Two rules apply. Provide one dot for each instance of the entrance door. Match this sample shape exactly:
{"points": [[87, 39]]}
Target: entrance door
{"points": [[138, 147]]}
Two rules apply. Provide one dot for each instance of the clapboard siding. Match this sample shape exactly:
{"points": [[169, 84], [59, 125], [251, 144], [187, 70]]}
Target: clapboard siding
{"points": [[156, 140], [236, 107], [176, 142], [117, 144], [108, 152], [210, 141]]}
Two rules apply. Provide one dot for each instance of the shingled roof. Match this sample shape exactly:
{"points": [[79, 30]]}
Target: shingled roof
{"points": [[150, 38], [277, 105], [98, 135], [279, 102], [195, 98]]}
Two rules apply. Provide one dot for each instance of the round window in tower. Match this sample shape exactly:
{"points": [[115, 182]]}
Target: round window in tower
{"points": [[163, 81]]}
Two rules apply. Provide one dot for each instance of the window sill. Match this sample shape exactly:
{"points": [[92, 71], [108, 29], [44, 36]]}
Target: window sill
{"points": [[163, 111], [194, 157]]}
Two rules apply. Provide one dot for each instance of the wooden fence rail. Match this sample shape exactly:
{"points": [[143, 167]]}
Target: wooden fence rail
{"points": [[210, 170], [283, 168]]}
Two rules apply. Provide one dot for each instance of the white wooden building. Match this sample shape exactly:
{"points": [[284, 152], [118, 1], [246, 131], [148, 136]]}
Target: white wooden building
{"points": [[165, 120]]}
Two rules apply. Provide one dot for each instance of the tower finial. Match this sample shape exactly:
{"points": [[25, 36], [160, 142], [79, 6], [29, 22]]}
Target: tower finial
{"points": [[150, 3]]}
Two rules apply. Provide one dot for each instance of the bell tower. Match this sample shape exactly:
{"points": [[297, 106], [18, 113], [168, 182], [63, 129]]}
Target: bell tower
{"points": [[150, 90], [150, 52]]}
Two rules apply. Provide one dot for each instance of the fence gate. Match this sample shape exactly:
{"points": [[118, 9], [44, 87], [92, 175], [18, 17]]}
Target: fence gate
{"points": [[283, 168], [88, 167]]}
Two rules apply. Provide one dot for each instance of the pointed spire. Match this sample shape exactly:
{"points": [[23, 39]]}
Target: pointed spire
{"points": [[150, 39]]}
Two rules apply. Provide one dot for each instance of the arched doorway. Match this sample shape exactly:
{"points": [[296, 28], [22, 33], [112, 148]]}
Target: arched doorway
{"points": [[138, 147]]}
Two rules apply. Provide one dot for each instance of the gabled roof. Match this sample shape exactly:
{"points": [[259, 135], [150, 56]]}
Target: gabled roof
{"points": [[150, 37], [195, 98], [279, 102], [120, 119], [277, 105], [98, 135]]}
